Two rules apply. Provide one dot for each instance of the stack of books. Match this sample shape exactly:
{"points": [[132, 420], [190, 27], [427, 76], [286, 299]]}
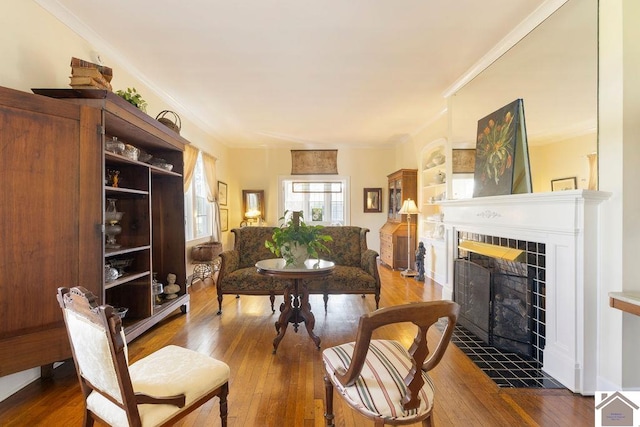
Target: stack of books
{"points": [[87, 75]]}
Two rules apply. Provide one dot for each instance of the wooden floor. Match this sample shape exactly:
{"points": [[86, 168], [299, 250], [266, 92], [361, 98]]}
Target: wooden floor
{"points": [[286, 389]]}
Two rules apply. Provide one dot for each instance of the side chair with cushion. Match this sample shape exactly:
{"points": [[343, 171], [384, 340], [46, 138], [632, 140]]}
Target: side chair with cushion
{"points": [[380, 378], [157, 390]]}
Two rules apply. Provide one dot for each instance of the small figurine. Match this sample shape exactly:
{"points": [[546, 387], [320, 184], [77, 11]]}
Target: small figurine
{"points": [[171, 290], [420, 252], [112, 178], [115, 178]]}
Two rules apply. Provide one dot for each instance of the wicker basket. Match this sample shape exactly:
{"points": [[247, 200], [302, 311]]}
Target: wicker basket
{"points": [[206, 251], [174, 123]]}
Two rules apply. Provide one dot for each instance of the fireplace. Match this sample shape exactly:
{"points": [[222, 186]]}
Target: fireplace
{"points": [[495, 298], [562, 230]]}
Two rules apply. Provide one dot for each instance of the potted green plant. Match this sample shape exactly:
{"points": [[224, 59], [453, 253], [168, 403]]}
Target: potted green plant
{"points": [[132, 96], [296, 241]]}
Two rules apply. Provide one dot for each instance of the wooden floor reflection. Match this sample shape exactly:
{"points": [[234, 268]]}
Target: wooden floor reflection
{"points": [[286, 389]]}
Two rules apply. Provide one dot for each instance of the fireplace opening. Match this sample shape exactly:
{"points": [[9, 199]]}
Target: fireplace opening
{"points": [[496, 301], [511, 313], [501, 326]]}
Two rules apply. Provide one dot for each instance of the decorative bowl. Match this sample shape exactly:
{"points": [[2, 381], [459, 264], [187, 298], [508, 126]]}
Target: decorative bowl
{"points": [[121, 264], [115, 146], [143, 156], [161, 163], [110, 273], [131, 152]]}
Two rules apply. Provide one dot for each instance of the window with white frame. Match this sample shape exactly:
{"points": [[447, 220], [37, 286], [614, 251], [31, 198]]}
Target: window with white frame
{"points": [[322, 201], [198, 210]]}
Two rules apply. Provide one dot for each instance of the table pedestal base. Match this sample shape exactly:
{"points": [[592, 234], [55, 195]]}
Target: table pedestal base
{"points": [[295, 309]]}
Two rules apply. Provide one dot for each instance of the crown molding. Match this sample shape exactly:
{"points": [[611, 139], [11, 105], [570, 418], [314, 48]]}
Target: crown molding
{"points": [[537, 17]]}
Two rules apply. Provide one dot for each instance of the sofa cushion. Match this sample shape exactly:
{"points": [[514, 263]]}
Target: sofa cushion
{"points": [[345, 248], [343, 279], [249, 242], [247, 280]]}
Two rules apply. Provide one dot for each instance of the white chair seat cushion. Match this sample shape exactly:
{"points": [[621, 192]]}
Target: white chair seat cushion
{"points": [[169, 371], [380, 388]]}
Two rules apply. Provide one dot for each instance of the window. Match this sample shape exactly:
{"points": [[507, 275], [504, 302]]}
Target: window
{"points": [[198, 210], [322, 201]]}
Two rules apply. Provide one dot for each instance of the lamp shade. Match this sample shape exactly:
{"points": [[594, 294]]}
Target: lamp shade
{"points": [[409, 207], [254, 213]]}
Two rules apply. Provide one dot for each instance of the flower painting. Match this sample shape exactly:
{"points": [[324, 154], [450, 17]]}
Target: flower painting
{"points": [[496, 151]]}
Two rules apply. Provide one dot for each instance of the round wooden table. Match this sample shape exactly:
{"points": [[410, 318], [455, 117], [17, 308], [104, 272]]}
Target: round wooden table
{"points": [[295, 308]]}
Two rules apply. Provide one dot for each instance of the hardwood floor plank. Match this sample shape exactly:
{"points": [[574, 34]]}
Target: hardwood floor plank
{"points": [[287, 388]]}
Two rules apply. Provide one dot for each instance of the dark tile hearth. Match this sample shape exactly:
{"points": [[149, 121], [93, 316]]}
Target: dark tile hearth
{"points": [[505, 369]]}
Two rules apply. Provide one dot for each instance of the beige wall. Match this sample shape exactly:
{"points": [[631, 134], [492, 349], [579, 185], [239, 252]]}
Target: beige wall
{"points": [[260, 169], [36, 50], [564, 159]]}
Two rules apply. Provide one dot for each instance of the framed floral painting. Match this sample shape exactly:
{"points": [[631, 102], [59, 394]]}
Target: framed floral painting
{"points": [[502, 157]]}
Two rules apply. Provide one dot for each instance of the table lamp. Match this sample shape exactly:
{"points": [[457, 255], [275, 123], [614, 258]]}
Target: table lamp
{"points": [[253, 216], [409, 208]]}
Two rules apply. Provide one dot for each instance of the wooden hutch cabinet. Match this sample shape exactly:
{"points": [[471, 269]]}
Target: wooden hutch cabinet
{"points": [[52, 217], [403, 184]]}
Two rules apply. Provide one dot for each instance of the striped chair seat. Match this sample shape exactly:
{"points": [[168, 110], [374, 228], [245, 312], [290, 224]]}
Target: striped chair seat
{"points": [[381, 379], [379, 389]]}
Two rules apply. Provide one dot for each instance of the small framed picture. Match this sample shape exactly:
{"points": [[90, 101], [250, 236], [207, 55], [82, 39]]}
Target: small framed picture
{"points": [[224, 219], [563, 184], [317, 214], [463, 160], [372, 200], [222, 193]]}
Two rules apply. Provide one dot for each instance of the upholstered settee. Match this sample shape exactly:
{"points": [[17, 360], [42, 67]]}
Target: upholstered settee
{"points": [[356, 270]]}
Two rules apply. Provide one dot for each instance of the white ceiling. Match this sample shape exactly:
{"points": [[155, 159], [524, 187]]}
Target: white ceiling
{"points": [[318, 74]]}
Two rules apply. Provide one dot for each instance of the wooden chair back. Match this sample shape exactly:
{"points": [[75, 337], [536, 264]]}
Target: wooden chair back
{"points": [[100, 353], [423, 315]]}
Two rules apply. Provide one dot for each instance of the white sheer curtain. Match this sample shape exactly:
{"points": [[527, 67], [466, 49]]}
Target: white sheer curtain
{"points": [[189, 156], [212, 194]]}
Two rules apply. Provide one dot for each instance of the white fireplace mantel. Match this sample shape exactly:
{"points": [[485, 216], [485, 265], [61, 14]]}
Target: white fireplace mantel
{"points": [[567, 222]]}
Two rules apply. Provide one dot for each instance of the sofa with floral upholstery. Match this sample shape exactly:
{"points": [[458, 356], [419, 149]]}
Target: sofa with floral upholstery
{"points": [[356, 270]]}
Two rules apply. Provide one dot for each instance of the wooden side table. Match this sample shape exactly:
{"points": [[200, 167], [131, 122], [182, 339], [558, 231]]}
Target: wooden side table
{"points": [[295, 308]]}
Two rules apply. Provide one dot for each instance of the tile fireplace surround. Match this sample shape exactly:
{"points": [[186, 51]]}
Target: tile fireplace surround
{"points": [[567, 223]]}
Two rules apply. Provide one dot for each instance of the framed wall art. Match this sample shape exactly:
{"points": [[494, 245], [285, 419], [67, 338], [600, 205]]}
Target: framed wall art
{"points": [[317, 214], [372, 200], [463, 160], [314, 162], [563, 184], [502, 153], [222, 193], [224, 219]]}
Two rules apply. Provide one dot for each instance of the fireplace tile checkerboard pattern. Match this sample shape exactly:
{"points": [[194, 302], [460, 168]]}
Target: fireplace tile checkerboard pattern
{"points": [[536, 265], [507, 370], [504, 368]]}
